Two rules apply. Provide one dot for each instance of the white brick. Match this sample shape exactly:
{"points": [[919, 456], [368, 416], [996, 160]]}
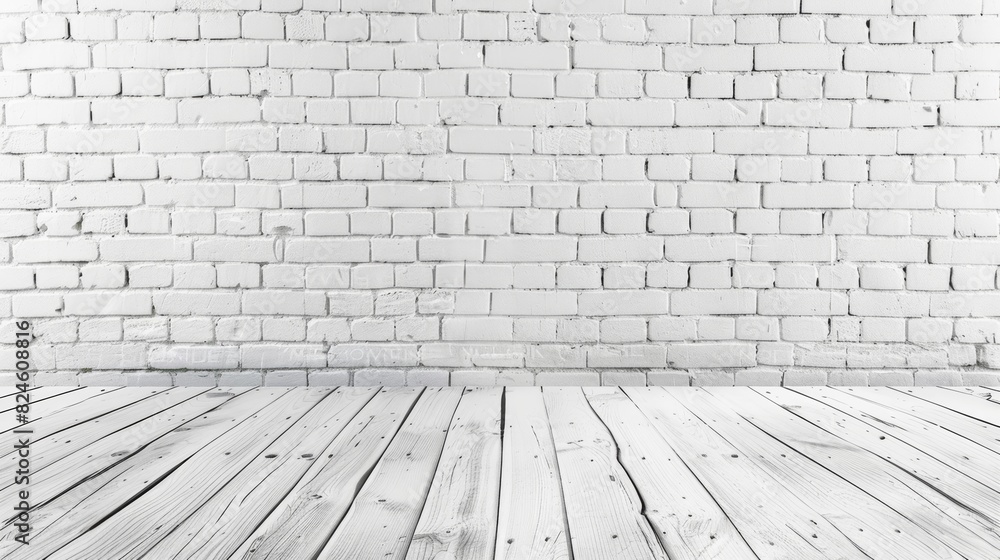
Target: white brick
{"points": [[533, 303], [54, 54], [813, 178], [884, 58], [491, 141], [630, 113], [170, 55], [708, 58], [797, 57], [712, 355], [538, 56], [596, 55]]}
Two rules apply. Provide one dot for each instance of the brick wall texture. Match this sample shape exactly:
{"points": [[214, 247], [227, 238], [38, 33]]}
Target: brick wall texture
{"points": [[501, 191]]}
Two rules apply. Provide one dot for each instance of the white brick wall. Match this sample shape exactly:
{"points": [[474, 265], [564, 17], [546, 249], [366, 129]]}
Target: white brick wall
{"points": [[513, 191]]}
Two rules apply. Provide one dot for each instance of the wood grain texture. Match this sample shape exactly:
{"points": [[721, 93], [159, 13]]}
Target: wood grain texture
{"points": [[512, 474], [147, 519], [227, 519], [34, 395], [60, 519], [81, 436], [531, 522], [304, 520], [686, 519], [961, 454], [459, 517], [950, 492], [603, 509], [971, 403], [91, 447], [60, 475], [981, 433], [874, 528], [89, 410], [384, 515], [775, 522], [43, 407]]}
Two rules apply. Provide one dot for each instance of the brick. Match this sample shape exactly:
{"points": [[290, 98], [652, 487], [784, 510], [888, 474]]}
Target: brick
{"points": [[236, 249], [626, 57], [708, 58], [108, 303], [797, 57], [528, 56], [886, 58], [713, 302], [142, 248], [473, 140], [528, 249], [711, 355], [967, 58], [630, 113], [514, 302], [847, 7], [623, 302], [801, 303], [171, 55], [46, 54], [847, 142], [964, 251]]}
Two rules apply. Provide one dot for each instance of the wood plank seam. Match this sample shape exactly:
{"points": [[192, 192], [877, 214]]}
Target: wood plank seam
{"points": [[907, 546], [618, 457], [569, 531], [460, 521], [621, 529], [351, 533], [961, 455], [694, 475], [957, 502], [532, 519], [799, 531], [247, 402], [958, 409], [971, 519], [323, 497]]}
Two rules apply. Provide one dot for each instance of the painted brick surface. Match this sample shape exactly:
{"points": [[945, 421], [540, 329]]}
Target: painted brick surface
{"points": [[248, 192]]}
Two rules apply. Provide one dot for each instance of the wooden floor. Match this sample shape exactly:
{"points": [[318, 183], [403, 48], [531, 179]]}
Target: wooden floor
{"points": [[521, 473]]}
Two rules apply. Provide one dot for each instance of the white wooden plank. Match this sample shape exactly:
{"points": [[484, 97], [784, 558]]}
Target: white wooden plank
{"points": [[686, 519], [86, 411], [34, 395], [961, 454], [132, 531], [967, 403], [907, 401], [61, 517], [384, 515], [105, 452], [775, 522], [43, 408], [603, 509], [951, 493], [51, 449], [225, 521], [303, 522], [989, 394], [875, 528], [459, 517], [532, 522]]}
